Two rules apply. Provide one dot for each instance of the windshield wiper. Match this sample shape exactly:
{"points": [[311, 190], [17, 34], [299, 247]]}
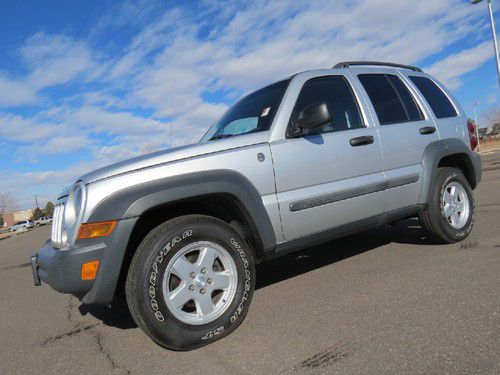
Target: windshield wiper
{"points": [[220, 136]]}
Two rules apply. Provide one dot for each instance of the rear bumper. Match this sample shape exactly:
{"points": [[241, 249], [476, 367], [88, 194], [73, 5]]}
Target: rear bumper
{"points": [[62, 268]]}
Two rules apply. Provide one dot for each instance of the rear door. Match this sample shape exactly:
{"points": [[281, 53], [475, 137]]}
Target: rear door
{"points": [[405, 128], [331, 176], [449, 117]]}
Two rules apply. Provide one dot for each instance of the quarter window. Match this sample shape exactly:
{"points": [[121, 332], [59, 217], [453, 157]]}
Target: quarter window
{"points": [[438, 101], [338, 96], [391, 99]]}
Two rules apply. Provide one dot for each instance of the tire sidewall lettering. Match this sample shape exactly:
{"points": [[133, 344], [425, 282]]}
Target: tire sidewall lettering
{"points": [[154, 283], [154, 271]]}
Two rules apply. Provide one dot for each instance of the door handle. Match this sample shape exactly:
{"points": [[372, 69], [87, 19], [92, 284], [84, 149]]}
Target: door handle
{"points": [[361, 141], [427, 130]]}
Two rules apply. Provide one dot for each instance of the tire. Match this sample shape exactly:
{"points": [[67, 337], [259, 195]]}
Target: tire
{"points": [[159, 280], [449, 222]]}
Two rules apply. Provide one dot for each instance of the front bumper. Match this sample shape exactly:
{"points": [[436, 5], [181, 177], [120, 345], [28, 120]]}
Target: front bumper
{"points": [[61, 269]]}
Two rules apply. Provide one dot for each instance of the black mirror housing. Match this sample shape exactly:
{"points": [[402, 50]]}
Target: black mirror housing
{"points": [[313, 117]]}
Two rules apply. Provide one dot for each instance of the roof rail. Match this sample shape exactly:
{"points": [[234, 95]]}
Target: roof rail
{"points": [[347, 64]]}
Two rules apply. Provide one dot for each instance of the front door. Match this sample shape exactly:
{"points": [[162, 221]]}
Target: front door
{"points": [[331, 176]]}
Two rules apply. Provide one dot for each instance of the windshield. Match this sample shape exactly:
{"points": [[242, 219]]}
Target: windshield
{"points": [[253, 113]]}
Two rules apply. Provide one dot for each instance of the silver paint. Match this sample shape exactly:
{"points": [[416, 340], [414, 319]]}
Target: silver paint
{"points": [[298, 169]]}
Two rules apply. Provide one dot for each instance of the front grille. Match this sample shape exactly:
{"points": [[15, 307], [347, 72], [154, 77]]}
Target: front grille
{"points": [[57, 224]]}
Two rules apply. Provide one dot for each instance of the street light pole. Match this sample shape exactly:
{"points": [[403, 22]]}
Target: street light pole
{"points": [[495, 44], [475, 123]]}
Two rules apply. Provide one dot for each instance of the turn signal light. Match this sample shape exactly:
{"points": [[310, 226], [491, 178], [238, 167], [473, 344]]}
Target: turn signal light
{"points": [[93, 230], [89, 270]]}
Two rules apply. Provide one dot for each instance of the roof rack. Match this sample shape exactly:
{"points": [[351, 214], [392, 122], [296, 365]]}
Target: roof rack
{"points": [[347, 64]]}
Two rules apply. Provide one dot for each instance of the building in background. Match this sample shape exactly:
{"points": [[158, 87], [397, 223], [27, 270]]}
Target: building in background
{"points": [[490, 133], [10, 218]]}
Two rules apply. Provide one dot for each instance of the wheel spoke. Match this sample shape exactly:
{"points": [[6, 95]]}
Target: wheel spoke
{"points": [[447, 210], [222, 280], [204, 304], [446, 197], [461, 207], [198, 282], [206, 258], [182, 267], [453, 191], [454, 219], [180, 295]]}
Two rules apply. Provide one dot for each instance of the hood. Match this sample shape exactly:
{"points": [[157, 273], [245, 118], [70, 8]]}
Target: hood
{"points": [[175, 154]]}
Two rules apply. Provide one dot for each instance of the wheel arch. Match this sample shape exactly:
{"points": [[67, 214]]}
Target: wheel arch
{"points": [[450, 152], [224, 194]]}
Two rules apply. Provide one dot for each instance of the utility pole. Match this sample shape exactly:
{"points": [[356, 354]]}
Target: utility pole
{"points": [[475, 123], [495, 44]]}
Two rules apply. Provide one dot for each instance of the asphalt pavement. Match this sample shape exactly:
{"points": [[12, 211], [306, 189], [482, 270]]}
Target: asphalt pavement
{"points": [[383, 301]]}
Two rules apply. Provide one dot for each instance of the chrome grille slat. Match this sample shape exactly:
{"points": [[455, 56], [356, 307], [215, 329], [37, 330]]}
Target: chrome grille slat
{"points": [[59, 226], [56, 235], [54, 223]]}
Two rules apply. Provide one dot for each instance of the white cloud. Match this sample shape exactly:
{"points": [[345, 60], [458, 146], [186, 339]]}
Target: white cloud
{"points": [[13, 92], [54, 59], [177, 62], [50, 60], [454, 66], [19, 129]]}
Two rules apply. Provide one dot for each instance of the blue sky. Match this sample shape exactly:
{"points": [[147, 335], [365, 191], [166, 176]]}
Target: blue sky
{"points": [[88, 83]]}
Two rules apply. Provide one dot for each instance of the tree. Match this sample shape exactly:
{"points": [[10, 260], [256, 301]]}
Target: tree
{"points": [[37, 214], [7, 203], [49, 209], [490, 117], [1, 221]]}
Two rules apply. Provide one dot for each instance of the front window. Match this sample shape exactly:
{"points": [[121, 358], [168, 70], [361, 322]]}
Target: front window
{"points": [[254, 113]]}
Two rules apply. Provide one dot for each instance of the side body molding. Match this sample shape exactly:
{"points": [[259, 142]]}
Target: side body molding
{"points": [[135, 200], [436, 151]]}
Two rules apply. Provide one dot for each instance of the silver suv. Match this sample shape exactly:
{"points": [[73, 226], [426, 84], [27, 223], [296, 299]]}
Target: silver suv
{"points": [[316, 156]]}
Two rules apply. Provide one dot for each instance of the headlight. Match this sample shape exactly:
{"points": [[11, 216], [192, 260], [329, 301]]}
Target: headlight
{"points": [[74, 210], [78, 199]]}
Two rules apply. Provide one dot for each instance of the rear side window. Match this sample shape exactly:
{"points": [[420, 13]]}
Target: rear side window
{"points": [[337, 94], [439, 102], [391, 99]]}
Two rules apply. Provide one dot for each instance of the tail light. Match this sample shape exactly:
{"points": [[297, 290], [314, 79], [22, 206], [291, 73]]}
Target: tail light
{"points": [[471, 126]]}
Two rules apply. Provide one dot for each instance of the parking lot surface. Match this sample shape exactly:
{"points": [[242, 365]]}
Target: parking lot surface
{"points": [[383, 301]]}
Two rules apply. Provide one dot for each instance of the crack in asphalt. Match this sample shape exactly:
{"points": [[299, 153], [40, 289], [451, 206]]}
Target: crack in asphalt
{"points": [[69, 314], [22, 265], [469, 245], [71, 333], [78, 328], [107, 355], [325, 358]]}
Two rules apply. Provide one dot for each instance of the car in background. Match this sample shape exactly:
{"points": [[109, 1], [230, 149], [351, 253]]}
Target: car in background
{"points": [[44, 220], [26, 224]]}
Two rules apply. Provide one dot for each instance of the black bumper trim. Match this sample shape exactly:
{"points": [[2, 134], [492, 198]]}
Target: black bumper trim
{"points": [[61, 268], [34, 269]]}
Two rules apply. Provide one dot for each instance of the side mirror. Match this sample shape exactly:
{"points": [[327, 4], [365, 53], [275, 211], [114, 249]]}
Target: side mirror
{"points": [[313, 117]]}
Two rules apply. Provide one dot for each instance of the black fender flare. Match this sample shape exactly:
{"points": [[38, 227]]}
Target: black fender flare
{"points": [[128, 204], [438, 150], [137, 199]]}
